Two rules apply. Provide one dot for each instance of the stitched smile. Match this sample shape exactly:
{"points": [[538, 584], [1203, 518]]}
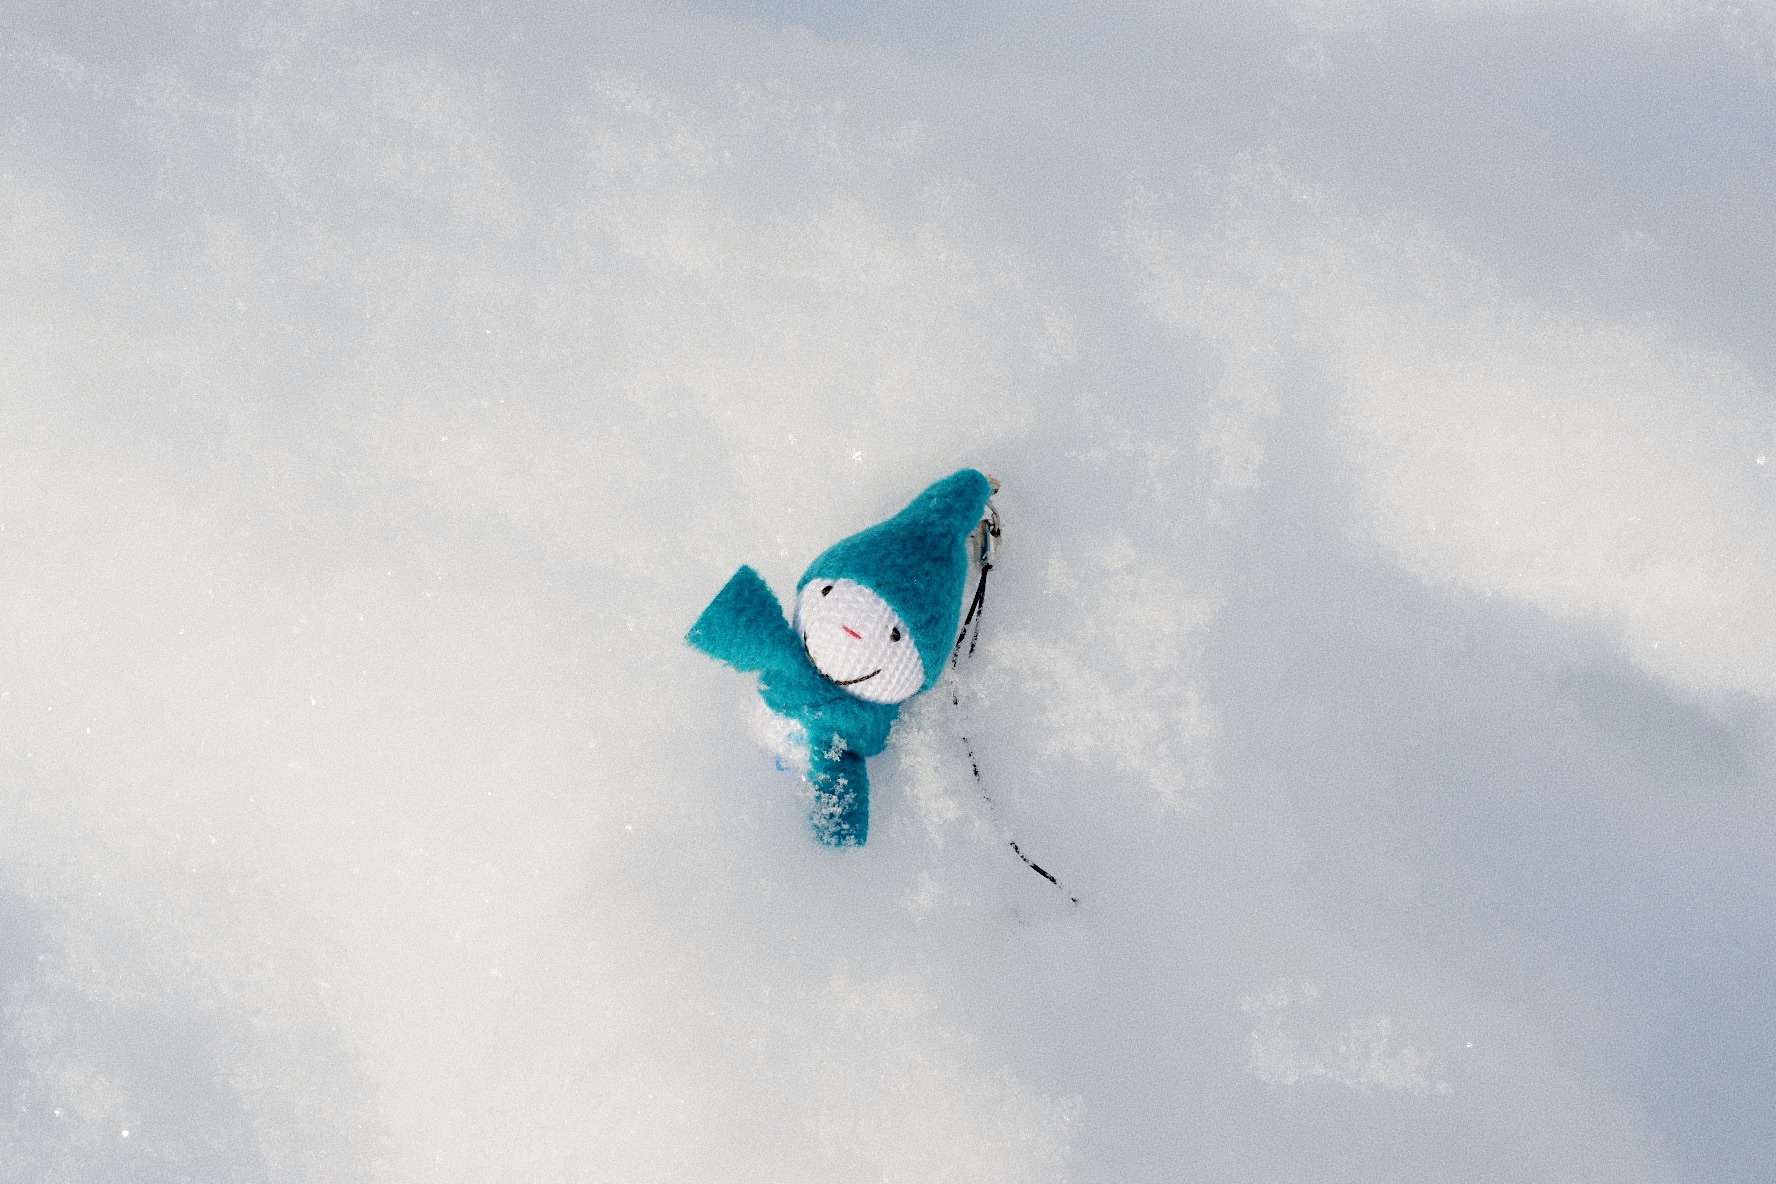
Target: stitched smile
{"points": [[845, 682]]}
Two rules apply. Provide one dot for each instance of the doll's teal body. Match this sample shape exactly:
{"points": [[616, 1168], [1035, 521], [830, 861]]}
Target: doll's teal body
{"points": [[744, 626], [917, 564]]}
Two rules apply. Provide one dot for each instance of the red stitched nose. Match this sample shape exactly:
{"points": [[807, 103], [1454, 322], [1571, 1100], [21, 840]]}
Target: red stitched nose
{"points": [[852, 632]]}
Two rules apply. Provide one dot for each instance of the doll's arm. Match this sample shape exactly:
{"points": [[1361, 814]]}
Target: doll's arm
{"points": [[840, 817], [744, 626]]}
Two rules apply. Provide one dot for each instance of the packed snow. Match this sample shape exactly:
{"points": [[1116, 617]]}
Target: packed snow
{"points": [[1382, 646]]}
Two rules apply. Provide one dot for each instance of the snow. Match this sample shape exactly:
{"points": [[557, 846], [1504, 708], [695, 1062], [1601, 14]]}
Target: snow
{"points": [[1380, 646]]}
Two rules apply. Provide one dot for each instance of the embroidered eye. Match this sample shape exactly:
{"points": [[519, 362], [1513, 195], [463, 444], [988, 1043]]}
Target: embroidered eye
{"points": [[824, 591], [894, 635]]}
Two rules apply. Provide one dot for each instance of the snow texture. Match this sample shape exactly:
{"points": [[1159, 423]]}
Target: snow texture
{"points": [[1381, 647]]}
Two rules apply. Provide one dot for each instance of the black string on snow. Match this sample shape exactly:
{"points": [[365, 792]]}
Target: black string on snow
{"points": [[989, 544]]}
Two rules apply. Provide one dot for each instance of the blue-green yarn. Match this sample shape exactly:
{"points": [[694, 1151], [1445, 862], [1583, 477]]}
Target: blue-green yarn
{"points": [[744, 626]]}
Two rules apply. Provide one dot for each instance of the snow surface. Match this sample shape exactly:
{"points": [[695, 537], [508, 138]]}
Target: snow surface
{"points": [[1383, 646]]}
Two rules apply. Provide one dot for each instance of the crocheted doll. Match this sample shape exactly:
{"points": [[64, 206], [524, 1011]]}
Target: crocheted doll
{"points": [[875, 616]]}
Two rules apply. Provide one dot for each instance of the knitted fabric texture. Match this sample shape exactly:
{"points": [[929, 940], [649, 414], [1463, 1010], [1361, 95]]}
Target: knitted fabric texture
{"points": [[858, 641]]}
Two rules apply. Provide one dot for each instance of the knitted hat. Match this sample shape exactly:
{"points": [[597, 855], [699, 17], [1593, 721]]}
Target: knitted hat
{"points": [[917, 561]]}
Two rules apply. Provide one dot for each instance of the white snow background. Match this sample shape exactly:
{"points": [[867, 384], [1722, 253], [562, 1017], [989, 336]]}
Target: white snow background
{"points": [[1383, 647]]}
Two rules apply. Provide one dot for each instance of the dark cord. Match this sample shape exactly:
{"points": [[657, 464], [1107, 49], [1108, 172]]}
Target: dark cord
{"points": [[989, 538]]}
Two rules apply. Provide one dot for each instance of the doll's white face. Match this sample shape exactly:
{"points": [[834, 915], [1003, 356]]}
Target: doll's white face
{"points": [[856, 640]]}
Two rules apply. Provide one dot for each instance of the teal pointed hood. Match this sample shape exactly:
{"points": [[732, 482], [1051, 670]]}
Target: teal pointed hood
{"points": [[917, 561]]}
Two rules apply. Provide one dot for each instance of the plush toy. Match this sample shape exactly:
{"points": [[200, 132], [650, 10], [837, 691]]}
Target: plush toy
{"points": [[875, 617]]}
